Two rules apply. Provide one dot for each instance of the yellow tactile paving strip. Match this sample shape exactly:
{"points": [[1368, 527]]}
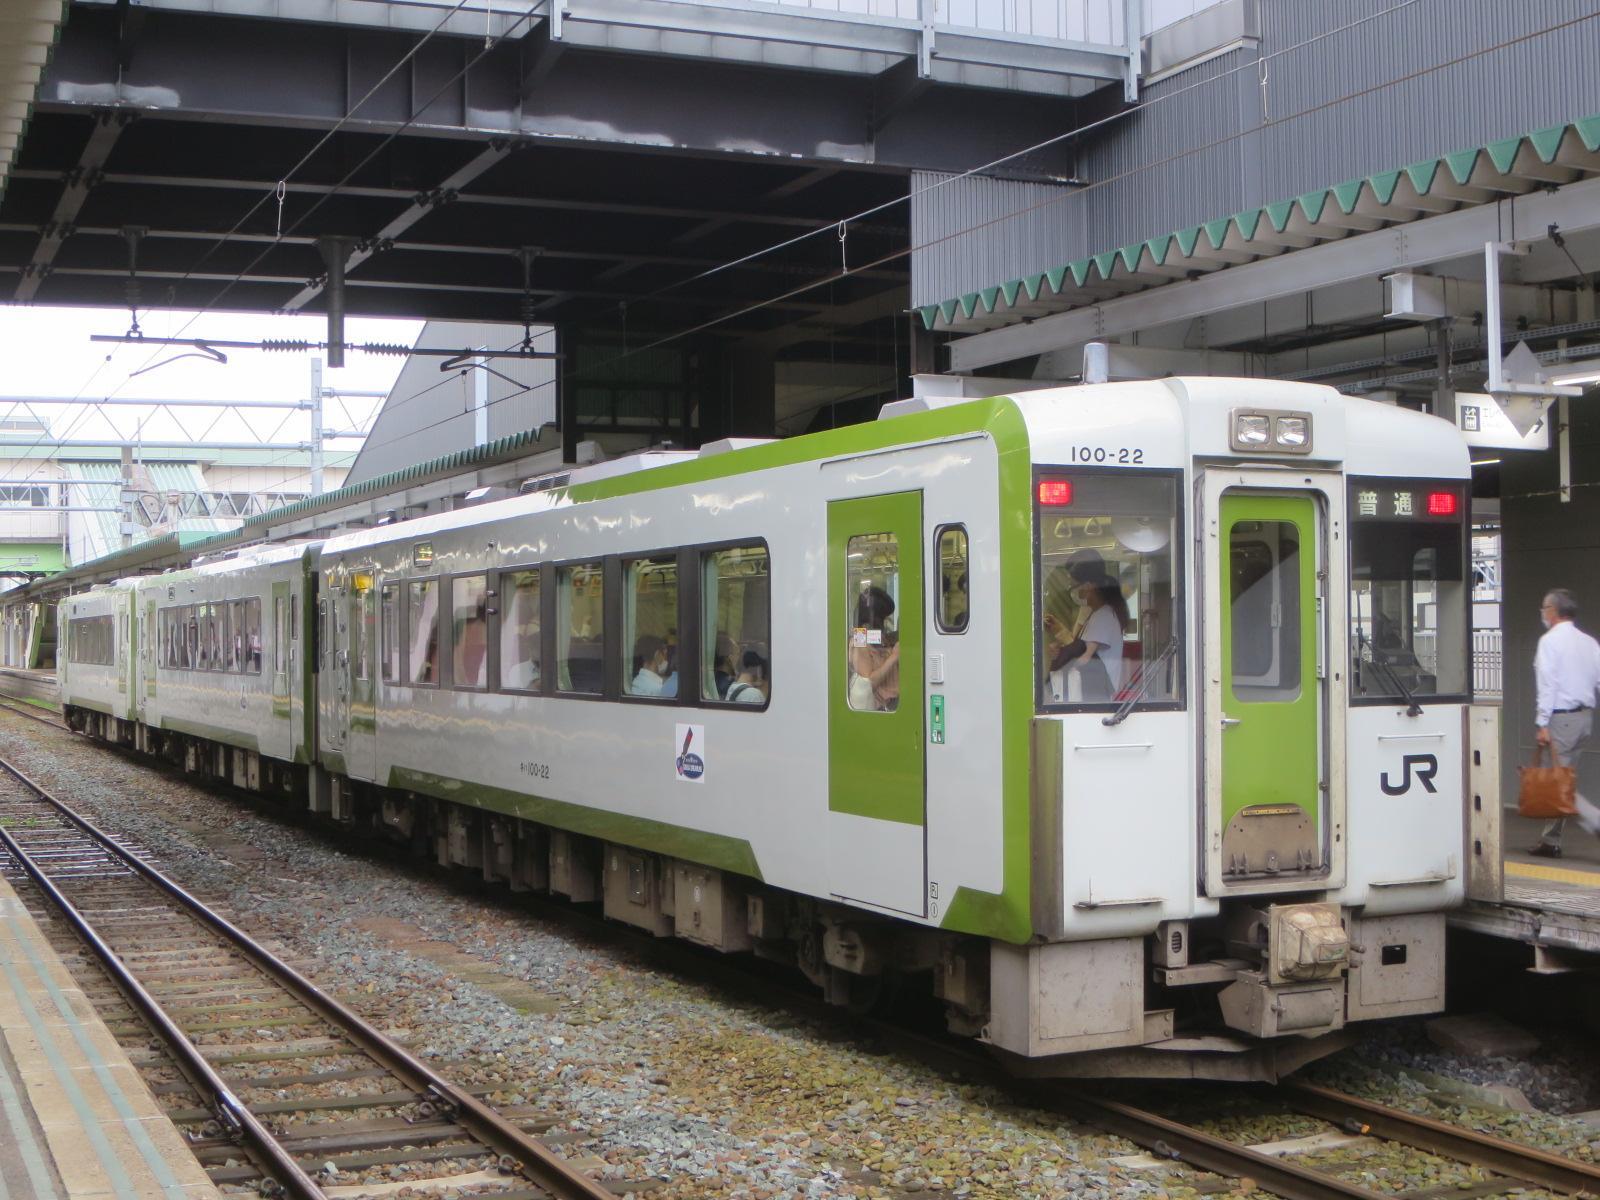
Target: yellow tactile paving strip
{"points": [[76, 1121], [1546, 874]]}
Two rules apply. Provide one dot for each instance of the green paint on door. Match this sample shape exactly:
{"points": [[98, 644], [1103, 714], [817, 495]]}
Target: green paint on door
{"points": [[1271, 693], [875, 757]]}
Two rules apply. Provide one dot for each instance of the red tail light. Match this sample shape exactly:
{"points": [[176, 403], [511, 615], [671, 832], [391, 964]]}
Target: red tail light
{"points": [[1442, 504], [1053, 493]]}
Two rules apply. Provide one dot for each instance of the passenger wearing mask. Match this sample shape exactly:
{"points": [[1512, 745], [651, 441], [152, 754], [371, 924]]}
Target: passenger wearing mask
{"points": [[653, 673]]}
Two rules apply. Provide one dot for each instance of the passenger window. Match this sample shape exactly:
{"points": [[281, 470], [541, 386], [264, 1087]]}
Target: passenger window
{"points": [[951, 554], [252, 636], [519, 630], [389, 632], [872, 650], [233, 634], [422, 631], [208, 634], [191, 637], [469, 623], [580, 628], [735, 637], [650, 626]]}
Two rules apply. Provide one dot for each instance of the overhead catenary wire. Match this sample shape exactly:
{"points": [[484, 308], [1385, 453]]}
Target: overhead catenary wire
{"points": [[570, 375], [567, 377]]}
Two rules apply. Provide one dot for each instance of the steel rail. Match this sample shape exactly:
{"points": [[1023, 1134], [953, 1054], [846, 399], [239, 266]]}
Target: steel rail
{"points": [[1183, 1143], [276, 1162], [531, 1158], [1522, 1164]]}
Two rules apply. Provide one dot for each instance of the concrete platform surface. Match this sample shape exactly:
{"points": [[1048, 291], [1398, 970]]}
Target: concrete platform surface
{"points": [[76, 1120]]}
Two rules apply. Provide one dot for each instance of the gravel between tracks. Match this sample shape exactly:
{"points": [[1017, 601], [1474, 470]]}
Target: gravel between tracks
{"points": [[649, 1077]]}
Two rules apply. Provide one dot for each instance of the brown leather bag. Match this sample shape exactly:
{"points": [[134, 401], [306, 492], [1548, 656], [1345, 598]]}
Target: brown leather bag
{"points": [[1546, 790]]}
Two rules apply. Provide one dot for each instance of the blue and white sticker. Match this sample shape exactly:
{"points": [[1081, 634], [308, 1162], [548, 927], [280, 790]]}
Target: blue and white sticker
{"points": [[689, 753]]}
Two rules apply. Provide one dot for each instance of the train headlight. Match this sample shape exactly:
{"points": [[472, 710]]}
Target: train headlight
{"points": [[1284, 432], [1291, 432], [1251, 429]]}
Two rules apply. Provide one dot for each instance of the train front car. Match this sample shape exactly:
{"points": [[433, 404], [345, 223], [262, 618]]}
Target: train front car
{"points": [[1250, 648]]}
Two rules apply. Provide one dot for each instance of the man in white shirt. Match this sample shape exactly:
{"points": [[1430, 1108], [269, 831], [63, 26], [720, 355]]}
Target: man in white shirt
{"points": [[1566, 668]]}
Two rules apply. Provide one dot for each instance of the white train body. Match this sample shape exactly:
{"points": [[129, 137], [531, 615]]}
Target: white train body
{"points": [[1102, 852]]}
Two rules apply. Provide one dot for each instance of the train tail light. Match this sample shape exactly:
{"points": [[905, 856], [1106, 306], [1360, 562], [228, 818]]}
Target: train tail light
{"points": [[1442, 504], [1055, 493]]}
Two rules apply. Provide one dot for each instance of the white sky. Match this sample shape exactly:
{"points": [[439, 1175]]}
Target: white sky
{"points": [[47, 353]]}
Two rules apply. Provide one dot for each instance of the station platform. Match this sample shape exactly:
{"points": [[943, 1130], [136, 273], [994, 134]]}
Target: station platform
{"points": [[22, 684], [1550, 904], [76, 1119]]}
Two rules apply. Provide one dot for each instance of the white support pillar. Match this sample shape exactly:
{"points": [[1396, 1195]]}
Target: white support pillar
{"points": [[316, 427]]}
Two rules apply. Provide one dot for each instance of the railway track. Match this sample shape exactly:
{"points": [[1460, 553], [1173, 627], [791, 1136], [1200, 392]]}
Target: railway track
{"points": [[276, 1084], [1504, 1166], [33, 712], [1497, 1166]]}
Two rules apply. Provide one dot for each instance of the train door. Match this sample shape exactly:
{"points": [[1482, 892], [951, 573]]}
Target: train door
{"points": [[149, 650], [361, 709], [336, 631], [876, 776], [1271, 820]]}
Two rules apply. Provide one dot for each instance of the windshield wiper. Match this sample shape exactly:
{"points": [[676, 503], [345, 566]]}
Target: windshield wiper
{"points": [[1147, 675], [1413, 709]]}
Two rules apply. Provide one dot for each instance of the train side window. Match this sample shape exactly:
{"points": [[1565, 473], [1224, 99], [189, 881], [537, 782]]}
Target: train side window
{"points": [[233, 634], [519, 630], [469, 631], [422, 631], [389, 632], [191, 637], [580, 628], [872, 642], [650, 626], [280, 639], [207, 622], [252, 636], [950, 552], [736, 629]]}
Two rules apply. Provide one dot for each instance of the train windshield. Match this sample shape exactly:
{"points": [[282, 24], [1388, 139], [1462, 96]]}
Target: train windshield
{"points": [[1408, 589], [1108, 620]]}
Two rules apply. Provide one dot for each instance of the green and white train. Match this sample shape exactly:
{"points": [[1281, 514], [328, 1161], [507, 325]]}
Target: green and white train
{"points": [[850, 701]]}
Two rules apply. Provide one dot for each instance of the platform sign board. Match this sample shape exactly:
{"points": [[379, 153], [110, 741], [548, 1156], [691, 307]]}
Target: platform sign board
{"points": [[1484, 424]]}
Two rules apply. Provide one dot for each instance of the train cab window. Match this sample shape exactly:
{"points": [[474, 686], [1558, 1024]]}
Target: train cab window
{"points": [[1409, 590], [872, 642], [950, 548], [650, 626], [580, 628], [1108, 614], [519, 630], [469, 631], [736, 634], [422, 632], [389, 632]]}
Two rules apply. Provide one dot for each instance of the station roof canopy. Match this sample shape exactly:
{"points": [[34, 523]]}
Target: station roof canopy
{"points": [[1478, 175]]}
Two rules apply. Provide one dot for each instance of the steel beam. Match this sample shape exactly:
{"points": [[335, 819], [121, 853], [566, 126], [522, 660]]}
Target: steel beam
{"points": [[289, 74], [1453, 235], [419, 207], [75, 189]]}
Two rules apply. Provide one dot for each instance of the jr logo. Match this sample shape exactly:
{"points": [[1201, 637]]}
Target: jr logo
{"points": [[1427, 767]]}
